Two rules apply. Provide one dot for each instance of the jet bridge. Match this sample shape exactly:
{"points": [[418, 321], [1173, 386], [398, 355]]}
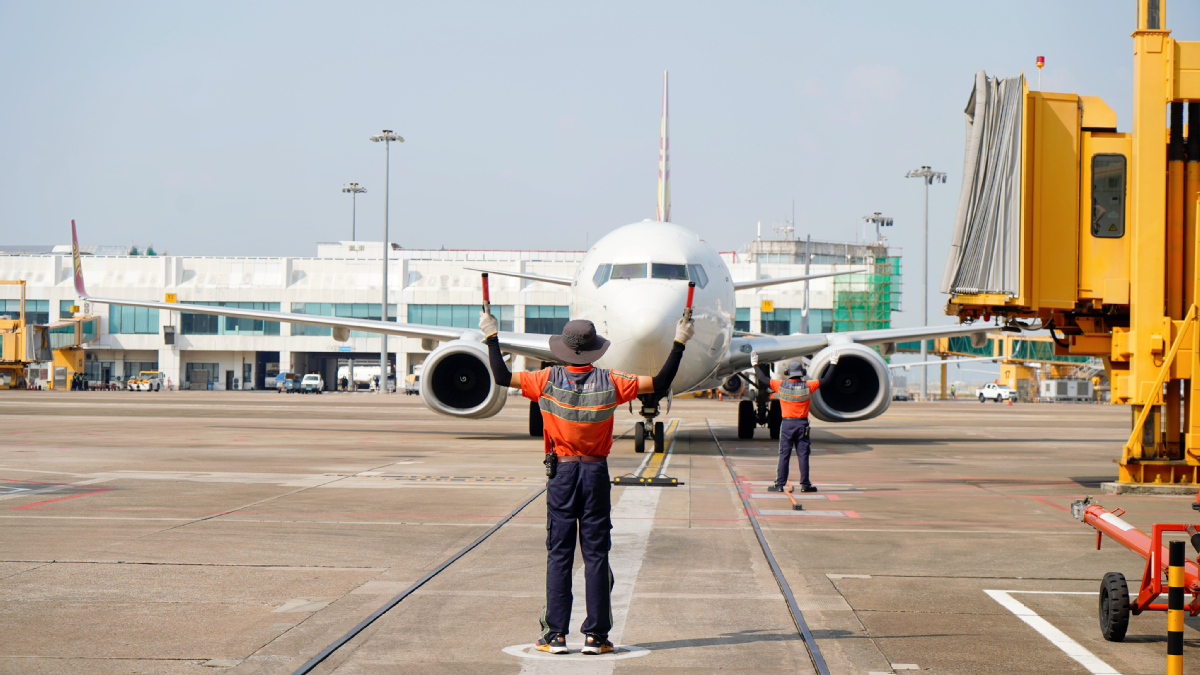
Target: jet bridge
{"points": [[1066, 223], [60, 342]]}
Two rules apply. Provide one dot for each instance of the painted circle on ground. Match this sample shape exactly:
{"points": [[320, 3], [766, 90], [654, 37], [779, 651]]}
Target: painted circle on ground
{"points": [[526, 651]]}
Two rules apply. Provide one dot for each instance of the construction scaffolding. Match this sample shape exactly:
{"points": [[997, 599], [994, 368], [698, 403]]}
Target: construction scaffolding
{"points": [[865, 301]]}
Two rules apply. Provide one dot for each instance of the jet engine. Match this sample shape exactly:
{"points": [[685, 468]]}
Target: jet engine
{"points": [[733, 387], [861, 388], [457, 381]]}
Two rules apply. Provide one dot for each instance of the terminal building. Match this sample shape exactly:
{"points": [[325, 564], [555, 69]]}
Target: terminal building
{"points": [[199, 351]]}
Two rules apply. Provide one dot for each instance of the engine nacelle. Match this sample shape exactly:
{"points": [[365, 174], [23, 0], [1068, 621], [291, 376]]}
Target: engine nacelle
{"points": [[456, 380], [733, 387], [861, 388]]}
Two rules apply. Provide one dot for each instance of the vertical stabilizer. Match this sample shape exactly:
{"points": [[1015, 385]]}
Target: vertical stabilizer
{"points": [[664, 163], [76, 265]]}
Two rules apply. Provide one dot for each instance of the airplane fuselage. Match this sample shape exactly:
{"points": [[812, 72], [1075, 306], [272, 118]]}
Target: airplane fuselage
{"points": [[633, 285]]}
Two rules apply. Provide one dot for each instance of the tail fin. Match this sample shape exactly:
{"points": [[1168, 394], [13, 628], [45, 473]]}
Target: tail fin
{"points": [[664, 164], [76, 264]]}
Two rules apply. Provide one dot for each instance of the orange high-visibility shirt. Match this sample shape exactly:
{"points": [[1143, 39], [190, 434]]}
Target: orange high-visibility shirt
{"points": [[578, 404], [794, 398]]}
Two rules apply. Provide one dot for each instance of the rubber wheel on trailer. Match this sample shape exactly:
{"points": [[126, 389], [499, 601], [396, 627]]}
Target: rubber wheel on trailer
{"points": [[746, 419], [535, 420], [639, 437], [659, 437], [1114, 607], [775, 419]]}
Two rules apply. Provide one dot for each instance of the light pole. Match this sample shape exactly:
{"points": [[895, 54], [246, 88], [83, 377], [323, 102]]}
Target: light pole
{"points": [[354, 189], [879, 220], [929, 176], [387, 137]]}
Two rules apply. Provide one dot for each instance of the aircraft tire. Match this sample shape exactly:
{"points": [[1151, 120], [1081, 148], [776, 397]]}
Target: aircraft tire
{"points": [[659, 437], [1114, 607], [535, 420], [775, 419], [746, 419], [639, 437]]}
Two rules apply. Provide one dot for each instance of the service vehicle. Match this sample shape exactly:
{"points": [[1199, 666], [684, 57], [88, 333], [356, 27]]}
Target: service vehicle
{"points": [[287, 383], [996, 392], [147, 380], [312, 383]]}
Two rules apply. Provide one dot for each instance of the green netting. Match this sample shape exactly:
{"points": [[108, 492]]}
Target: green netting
{"points": [[865, 301]]}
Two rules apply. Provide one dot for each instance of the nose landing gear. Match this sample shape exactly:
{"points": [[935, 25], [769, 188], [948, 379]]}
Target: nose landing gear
{"points": [[648, 428]]}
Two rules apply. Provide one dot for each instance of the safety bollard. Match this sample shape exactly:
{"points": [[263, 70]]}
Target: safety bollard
{"points": [[1175, 609]]}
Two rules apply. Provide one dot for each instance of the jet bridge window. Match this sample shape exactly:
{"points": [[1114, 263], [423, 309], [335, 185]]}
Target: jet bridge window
{"points": [[1108, 196], [696, 273], [668, 271], [601, 275], [629, 271]]}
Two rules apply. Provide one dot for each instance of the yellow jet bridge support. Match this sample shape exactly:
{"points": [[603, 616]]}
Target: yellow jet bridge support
{"points": [[1105, 252]]}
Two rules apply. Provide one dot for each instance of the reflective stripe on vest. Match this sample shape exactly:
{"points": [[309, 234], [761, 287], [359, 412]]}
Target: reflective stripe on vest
{"points": [[793, 393], [579, 397]]}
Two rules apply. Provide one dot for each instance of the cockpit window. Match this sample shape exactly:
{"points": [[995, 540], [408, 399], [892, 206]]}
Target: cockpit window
{"points": [[630, 271], [697, 274], [601, 275], [666, 271]]}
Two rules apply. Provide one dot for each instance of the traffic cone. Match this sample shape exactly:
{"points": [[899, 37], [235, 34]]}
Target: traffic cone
{"points": [[1010, 400]]}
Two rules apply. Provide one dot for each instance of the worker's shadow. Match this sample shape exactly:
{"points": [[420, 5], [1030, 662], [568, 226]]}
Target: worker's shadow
{"points": [[753, 636]]}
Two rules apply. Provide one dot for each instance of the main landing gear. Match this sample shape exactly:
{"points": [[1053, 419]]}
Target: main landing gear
{"points": [[648, 428], [763, 410]]}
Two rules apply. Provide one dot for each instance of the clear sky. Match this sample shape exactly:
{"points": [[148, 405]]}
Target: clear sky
{"points": [[221, 128]]}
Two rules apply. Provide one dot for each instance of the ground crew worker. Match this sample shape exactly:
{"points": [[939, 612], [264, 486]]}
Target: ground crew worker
{"points": [[794, 394], [577, 403]]}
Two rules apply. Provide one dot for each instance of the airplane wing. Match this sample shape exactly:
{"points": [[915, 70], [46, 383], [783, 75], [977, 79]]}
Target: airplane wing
{"points": [[759, 283], [524, 344], [561, 281], [783, 347]]}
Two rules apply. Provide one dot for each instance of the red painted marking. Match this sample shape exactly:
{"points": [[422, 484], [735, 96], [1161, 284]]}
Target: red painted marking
{"points": [[60, 499], [1050, 503]]}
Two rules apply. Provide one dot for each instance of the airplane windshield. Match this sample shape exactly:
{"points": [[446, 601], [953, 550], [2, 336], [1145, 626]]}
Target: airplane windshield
{"points": [[665, 271], [630, 271]]}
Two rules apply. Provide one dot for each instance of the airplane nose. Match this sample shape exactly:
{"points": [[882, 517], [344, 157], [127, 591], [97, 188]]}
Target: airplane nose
{"points": [[650, 328], [651, 312]]}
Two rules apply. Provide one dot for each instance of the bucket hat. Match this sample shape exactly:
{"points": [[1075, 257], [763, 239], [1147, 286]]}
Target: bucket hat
{"points": [[796, 369], [579, 345]]}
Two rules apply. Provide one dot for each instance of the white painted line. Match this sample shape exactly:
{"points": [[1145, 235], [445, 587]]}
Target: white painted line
{"points": [[789, 512], [1056, 637], [905, 666]]}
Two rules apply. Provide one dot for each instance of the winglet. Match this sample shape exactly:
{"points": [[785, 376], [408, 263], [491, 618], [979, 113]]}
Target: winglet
{"points": [[664, 164], [75, 261]]}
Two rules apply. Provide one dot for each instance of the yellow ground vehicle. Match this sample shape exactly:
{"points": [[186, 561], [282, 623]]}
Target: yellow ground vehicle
{"points": [[147, 380]]}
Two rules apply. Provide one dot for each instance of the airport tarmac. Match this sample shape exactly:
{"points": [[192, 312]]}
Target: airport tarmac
{"points": [[240, 532]]}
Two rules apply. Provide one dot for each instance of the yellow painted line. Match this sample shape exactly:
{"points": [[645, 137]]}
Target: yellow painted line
{"points": [[656, 461]]}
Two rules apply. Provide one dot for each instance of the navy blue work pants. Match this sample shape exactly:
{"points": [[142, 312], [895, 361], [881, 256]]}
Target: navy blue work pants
{"points": [[793, 434], [578, 504]]}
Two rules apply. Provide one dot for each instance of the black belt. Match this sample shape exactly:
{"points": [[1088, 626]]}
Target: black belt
{"points": [[581, 458]]}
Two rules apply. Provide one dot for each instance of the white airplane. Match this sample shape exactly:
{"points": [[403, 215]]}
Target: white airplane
{"points": [[633, 285]]}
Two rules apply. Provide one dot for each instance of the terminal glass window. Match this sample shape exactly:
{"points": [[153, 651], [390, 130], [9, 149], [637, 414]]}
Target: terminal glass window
{"points": [[696, 273], [782, 321], [630, 271], [202, 373], [668, 271], [741, 320], [546, 319], [601, 275], [353, 310], [211, 324], [820, 320], [64, 309], [132, 368], [459, 316], [132, 320], [36, 311], [1108, 196]]}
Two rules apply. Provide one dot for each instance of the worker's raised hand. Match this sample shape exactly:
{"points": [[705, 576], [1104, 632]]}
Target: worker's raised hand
{"points": [[684, 330], [753, 359], [488, 324]]}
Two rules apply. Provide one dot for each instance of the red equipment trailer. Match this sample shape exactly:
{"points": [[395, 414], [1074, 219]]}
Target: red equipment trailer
{"points": [[1115, 603]]}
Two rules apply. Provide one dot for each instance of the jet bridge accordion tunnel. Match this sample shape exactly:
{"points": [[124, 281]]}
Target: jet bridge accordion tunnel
{"points": [[1067, 223]]}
